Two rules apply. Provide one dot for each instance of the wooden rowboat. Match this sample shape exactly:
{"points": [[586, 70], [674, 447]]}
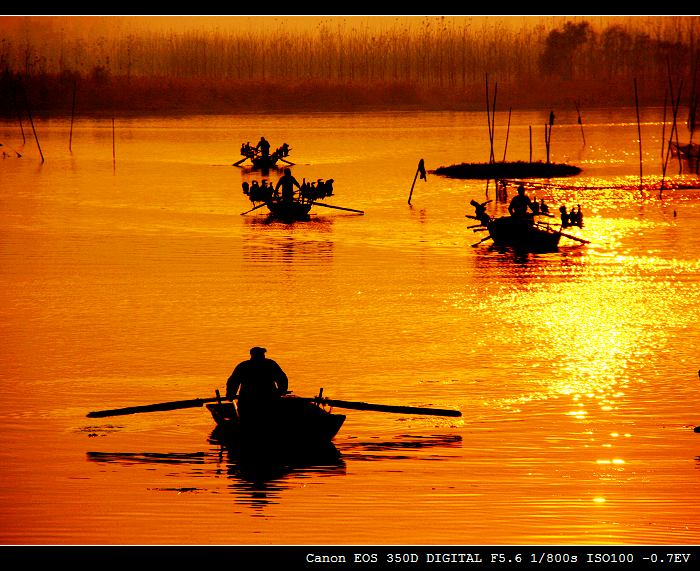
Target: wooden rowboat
{"points": [[294, 208], [519, 233], [288, 210], [291, 421], [264, 162], [523, 234]]}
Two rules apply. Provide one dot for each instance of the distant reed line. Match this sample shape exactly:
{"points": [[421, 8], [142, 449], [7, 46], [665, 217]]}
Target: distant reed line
{"points": [[436, 52]]}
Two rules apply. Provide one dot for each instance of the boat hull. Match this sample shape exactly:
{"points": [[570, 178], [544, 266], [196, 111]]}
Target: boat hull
{"points": [[523, 234], [289, 211], [264, 162], [290, 422]]}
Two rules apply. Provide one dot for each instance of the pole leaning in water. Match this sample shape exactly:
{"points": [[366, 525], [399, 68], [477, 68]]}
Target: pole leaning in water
{"points": [[419, 171]]}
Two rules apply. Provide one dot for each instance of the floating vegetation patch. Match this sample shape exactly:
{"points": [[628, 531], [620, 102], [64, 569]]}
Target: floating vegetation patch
{"points": [[518, 169]]}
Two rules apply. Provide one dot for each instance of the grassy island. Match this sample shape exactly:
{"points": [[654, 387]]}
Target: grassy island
{"points": [[516, 169]]}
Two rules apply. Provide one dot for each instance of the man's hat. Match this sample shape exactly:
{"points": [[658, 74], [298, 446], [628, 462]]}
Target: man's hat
{"points": [[258, 350]]}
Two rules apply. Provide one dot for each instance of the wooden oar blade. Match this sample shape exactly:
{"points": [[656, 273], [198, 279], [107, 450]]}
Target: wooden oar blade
{"points": [[390, 408], [157, 407]]}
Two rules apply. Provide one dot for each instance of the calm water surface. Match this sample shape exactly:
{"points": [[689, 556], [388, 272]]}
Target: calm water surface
{"points": [[132, 278]]}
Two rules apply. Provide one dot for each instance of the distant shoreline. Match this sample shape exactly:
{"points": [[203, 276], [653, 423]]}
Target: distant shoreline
{"points": [[52, 96]]}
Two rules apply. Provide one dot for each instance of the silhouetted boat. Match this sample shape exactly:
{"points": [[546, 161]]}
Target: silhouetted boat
{"points": [[523, 234], [292, 422], [519, 233], [264, 162], [288, 422], [296, 207], [288, 210], [261, 160]]}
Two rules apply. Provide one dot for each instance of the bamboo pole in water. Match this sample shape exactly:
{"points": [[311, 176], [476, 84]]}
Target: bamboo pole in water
{"points": [[675, 105], [493, 121], [580, 122], [639, 132], [72, 118], [548, 133], [665, 147], [19, 117], [674, 127], [114, 147], [419, 171], [505, 148], [31, 121], [488, 117]]}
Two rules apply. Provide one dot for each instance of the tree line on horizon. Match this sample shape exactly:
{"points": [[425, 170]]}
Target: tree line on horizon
{"points": [[439, 58]]}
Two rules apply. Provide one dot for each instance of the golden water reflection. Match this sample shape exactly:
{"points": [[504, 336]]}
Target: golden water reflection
{"points": [[257, 478], [135, 285]]}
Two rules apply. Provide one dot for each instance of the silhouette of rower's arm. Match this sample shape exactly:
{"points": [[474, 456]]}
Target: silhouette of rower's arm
{"points": [[233, 383], [282, 380]]}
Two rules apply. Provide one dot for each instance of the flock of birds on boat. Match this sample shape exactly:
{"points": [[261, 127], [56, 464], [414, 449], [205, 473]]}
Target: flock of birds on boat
{"points": [[528, 233]]}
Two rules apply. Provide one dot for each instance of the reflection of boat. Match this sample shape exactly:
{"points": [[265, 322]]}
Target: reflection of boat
{"points": [[290, 423], [261, 471], [256, 477]]}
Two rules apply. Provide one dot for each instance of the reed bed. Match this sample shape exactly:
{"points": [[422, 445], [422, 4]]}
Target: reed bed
{"points": [[429, 62]]}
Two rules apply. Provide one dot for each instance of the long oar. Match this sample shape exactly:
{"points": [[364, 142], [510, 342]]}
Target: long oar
{"points": [[386, 408], [480, 241], [239, 162], [251, 210], [576, 238], [156, 407], [337, 207], [195, 403], [286, 161]]}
